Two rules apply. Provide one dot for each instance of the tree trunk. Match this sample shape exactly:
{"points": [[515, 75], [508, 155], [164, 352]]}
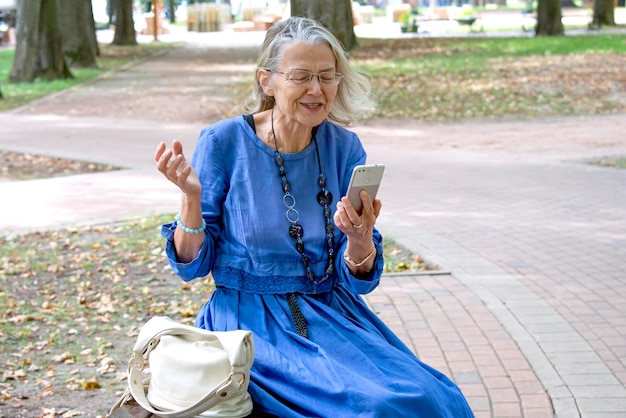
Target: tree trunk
{"points": [[171, 11], [549, 18], [111, 11], [336, 15], [124, 23], [91, 27], [38, 52], [78, 32], [603, 13]]}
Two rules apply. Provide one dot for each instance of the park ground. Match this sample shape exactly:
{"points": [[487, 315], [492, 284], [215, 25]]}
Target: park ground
{"points": [[103, 281]]}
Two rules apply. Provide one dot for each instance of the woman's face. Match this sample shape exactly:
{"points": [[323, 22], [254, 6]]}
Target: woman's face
{"points": [[307, 103]]}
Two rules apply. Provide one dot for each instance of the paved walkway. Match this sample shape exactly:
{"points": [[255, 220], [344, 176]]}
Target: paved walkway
{"points": [[527, 313]]}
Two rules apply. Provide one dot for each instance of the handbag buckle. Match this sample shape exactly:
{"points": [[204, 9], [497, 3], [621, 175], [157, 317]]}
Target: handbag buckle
{"points": [[233, 385], [135, 362]]}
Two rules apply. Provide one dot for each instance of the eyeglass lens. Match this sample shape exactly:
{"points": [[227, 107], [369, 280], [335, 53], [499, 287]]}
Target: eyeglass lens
{"points": [[303, 76]]}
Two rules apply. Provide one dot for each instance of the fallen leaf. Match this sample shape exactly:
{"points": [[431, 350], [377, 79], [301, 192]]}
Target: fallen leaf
{"points": [[91, 384]]}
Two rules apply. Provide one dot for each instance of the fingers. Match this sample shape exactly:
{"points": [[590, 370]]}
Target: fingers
{"points": [[163, 155], [171, 162], [184, 174], [367, 210], [377, 207], [371, 209], [349, 221], [159, 151], [177, 147], [175, 167]]}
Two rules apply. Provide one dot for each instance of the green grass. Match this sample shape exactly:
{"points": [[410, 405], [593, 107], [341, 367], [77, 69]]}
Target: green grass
{"points": [[398, 259], [476, 77], [444, 52], [443, 79], [612, 162], [111, 57], [560, 45]]}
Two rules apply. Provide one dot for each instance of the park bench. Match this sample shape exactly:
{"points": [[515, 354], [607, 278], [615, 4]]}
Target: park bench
{"points": [[529, 20], [442, 14], [568, 15], [467, 21]]}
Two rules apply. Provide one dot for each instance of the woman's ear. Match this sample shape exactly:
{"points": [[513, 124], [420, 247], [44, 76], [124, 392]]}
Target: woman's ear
{"points": [[264, 78]]}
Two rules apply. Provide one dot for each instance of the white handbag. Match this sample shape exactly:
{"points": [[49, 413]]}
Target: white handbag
{"points": [[194, 372]]}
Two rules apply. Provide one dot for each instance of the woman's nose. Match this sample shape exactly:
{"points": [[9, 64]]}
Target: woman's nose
{"points": [[315, 85]]}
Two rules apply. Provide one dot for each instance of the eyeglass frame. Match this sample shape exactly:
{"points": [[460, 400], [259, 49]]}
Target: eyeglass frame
{"points": [[338, 76]]}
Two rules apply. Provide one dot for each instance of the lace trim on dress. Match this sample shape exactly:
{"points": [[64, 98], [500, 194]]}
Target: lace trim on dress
{"points": [[250, 283]]}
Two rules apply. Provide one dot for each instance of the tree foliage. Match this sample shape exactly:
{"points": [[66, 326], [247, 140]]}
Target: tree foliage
{"points": [[336, 15]]}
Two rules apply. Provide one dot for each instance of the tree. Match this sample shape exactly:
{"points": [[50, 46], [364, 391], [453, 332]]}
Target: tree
{"points": [[111, 11], [171, 10], [336, 15], [603, 13], [78, 32], [124, 23], [38, 52], [549, 18]]}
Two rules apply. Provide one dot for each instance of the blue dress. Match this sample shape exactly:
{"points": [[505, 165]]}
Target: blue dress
{"points": [[351, 364]]}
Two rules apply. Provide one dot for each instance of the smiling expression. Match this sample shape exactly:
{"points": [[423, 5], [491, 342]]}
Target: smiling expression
{"points": [[307, 104]]}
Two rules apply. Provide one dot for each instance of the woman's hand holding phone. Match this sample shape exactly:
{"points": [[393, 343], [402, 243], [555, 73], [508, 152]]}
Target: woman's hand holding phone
{"points": [[367, 178], [358, 210]]}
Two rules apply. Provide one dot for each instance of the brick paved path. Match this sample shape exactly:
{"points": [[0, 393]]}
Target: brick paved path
{"points": [[528, 312], [536, 243]]}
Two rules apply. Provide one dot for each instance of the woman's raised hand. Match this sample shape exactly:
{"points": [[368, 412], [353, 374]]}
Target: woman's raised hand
{"points": [[173, 164], [353, 224]]}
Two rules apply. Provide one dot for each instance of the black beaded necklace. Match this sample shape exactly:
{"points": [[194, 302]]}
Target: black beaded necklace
{"points": [[324, 198]]}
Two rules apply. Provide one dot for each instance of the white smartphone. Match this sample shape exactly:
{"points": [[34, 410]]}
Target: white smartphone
{"points": [[364, 177]]}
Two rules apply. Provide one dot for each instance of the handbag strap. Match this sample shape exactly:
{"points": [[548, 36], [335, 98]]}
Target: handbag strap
{"points": [[227, 388], [149, 337], [158, 326]]}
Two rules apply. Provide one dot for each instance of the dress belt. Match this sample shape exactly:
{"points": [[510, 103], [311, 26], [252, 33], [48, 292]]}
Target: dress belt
{"points": [[296, 314]]}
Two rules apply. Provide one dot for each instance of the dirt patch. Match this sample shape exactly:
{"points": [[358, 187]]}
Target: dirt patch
{"points": [[75, 300], [24, 166]]}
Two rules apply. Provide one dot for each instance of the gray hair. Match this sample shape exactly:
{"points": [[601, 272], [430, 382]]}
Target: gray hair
{"points": [[353, 100]]}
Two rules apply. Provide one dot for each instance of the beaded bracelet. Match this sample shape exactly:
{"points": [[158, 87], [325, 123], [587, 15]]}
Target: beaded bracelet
{"points": [[354, 263], [188, 230]]}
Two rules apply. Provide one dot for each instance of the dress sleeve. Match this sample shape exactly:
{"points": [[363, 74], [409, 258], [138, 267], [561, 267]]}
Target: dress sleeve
{"points": [[367, 283], [206, 161]]}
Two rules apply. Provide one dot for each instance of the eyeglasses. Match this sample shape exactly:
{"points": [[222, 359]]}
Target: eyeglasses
{"points": [[329, 78]]}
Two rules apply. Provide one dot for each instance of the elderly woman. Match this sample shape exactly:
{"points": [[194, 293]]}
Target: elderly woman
{"points": [[295, 281]]}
